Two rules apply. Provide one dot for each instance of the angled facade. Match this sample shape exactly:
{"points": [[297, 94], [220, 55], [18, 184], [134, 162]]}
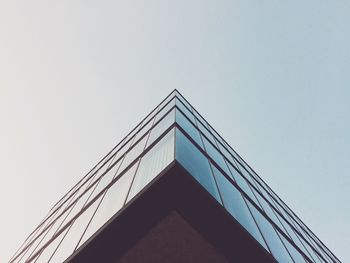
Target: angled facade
{"points": [[173, 190]]}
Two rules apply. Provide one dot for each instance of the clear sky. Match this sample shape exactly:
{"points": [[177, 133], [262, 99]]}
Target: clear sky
{"points": [[273, 77]]}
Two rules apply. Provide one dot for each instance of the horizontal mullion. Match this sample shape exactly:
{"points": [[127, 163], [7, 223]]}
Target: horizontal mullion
{"points": [[244, 163], [234, 184], [89, 203]]}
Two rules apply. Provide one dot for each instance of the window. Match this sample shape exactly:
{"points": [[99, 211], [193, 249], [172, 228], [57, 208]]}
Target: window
{"points": [[195, 163], [235, 205], [188, 127], [271, 237], [153, 162]]}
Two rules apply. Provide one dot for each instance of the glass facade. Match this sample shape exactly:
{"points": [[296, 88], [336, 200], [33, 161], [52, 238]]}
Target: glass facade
{"points": [[173, 132]]}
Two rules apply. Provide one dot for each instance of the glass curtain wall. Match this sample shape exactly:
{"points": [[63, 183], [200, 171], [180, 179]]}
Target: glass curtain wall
{"points": [[133, 163]]}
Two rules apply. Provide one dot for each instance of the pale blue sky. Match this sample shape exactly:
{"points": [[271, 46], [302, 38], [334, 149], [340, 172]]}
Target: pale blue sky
{"points": [[271, 76]]}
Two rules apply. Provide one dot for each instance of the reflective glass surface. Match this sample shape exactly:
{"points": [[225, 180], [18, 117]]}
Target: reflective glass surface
{"points": [[195, 163], [46, 254], [243, 184], [148, 151], [133, 153], [272, 239], [153, 162], [112, 201], [185, 110], [188, 127], [164, 110], [215, 155], [69, 242], [236, 206], [161, 127], [295, 254]]}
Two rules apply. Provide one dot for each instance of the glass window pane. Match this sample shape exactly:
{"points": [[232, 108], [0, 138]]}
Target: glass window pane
{"points": [[50, 249], [295, 254], [185, 110], [268, 210], [182, 99], [271, 237], [151, 115], [129, 137], [106, 179], [161, 127], [34, 247], [207, 134], [195, 163], [76, 230], [163, 111], [215, 134], [235, 205], [243, 184], [77, 206], [153, 162], [170, 97], [142, 132], [215, 155], [189, 128], [200, 119], [235, 155], [119, 154], [309, 248], [133, 153], [53, 229], [111, 203], [227, 154]]}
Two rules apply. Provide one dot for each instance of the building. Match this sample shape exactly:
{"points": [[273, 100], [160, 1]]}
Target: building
{"points": [[172, 190]]}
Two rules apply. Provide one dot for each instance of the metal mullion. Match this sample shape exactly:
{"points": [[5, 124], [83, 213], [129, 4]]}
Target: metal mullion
{"points": [[299, 234], [73, 200], [139, 158], [58, 245], [211, 160], [132, 163], [140, 155], [66, 215], [208, 127], [37, 255], [310, 234], [89, 179], [274, 195], [225, 158], [210, 164], [217, 142], [272, 224], [106, 156], [300, 237], [34, 238], [232, 182], [275, 227], [111, 159], [88, 204], [93, 169], [63, 221], [70, 205], [154, 118], [104, 191], [211, 168], [24, 245], [85, 206], [284, 231]]}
